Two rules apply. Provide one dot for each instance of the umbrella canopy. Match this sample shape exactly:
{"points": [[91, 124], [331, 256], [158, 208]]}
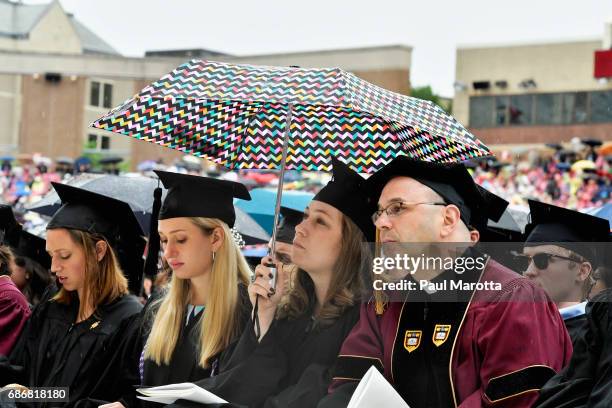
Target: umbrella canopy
{"points": [[563, 166], [137, 192], [261, 206], [583, 165], [236, 115], [67, 161], [506, 222], [555, 146], [591, 142], [189, 166], [605, 149], [147, 165], [111, 160], [251, 231], [82, 161]]}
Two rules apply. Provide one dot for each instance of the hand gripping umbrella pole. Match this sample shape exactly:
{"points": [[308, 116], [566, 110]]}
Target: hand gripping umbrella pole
{"points": [[279, 196]]}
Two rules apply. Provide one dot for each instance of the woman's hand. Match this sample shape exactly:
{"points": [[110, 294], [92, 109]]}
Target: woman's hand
{"points": [[268, 297]]}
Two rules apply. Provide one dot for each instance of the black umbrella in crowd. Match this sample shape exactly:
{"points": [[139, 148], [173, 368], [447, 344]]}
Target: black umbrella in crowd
{"points": [[137, 192], [110, 160], [591, 142]]}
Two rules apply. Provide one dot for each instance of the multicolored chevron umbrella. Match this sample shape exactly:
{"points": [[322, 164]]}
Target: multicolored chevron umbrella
{"points": [[236, 115]]}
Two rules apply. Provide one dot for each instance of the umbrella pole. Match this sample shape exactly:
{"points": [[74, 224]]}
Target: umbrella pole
{"points": [[279, 195], [279, 191]]}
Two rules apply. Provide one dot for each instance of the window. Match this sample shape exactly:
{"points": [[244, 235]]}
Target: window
{"points": [[94, 99], [92, 141], [601, 106], [521, 107], [581, 108], [101, 94], [108, 96], [501, 110], [105, 143], [481, 111], [575, 107], [549, 109], [541, 109]]}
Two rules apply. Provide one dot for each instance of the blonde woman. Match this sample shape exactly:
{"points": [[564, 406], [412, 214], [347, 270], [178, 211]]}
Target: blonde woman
{"points": [[70, 338], [205, 305]]}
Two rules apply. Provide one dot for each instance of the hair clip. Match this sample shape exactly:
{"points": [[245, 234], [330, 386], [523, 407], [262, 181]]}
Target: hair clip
{"points": [[237, 237]]}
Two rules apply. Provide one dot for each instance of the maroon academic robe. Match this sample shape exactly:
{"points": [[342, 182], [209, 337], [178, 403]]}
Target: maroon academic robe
{"points": [[495, 349], [14, 312]]}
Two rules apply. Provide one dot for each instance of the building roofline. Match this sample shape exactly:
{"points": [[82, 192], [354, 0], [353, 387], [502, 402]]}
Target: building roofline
{"points": [[189, 49], [328, 51], [39, 17], [228, 56], [528, 43]]}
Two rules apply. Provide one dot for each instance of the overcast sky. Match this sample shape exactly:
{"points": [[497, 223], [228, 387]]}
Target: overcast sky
{"points": [[433, 28]]}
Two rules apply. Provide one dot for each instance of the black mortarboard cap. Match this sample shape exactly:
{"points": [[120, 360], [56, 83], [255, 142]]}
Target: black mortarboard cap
{"points": [[22, 242], [194, 196], [451, 181], [566, 228], [345, 193], [91, 212], [10, 229], [33, 247], [494, 207], [286, 229], [87, 211], [494, 223]]}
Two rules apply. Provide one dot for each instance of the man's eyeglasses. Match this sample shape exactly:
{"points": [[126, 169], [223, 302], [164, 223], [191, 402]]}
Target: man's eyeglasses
{"points": [[397, 208], [542, 259]]}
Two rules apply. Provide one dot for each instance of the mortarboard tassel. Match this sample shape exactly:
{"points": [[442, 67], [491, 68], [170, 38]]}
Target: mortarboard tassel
{"points": [[150, 267]]}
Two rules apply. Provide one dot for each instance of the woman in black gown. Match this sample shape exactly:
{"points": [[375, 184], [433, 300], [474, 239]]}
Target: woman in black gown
{"points": [[71, 335], [205, 307], [303, 322]]}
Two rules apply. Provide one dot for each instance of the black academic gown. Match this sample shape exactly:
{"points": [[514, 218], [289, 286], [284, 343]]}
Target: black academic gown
{"points": [[289, 368], [575, 326], [184, 364], [587, 380], [56, 352]]}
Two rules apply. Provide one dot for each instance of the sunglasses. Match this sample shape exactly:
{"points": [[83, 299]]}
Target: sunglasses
{"points": [[542, 259]]}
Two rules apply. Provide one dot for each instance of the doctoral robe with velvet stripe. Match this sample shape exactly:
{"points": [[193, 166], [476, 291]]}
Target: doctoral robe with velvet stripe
{"points": [[499, 348]]}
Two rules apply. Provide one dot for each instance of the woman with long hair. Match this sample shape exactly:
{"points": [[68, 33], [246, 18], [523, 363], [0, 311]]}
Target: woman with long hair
{"points": [[70, 337], [204, 308], [284, 357], [203, 311]]}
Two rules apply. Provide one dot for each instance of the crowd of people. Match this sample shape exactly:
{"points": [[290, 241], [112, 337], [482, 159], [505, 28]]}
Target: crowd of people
{"points": [[302, 327], [578, 179]]}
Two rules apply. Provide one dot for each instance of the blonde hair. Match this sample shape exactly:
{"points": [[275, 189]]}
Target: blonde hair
{"points": [[104, 279], [221, 321], [346, 285]]}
